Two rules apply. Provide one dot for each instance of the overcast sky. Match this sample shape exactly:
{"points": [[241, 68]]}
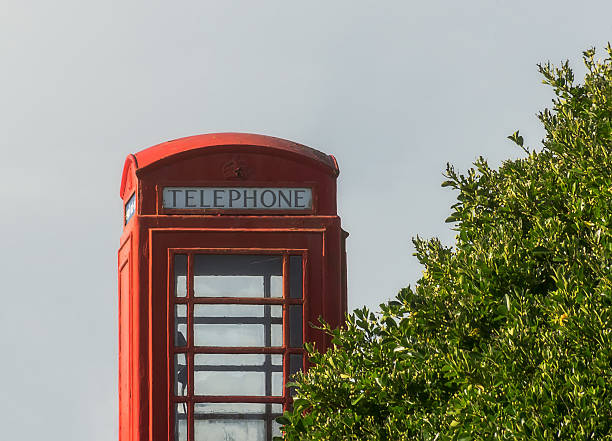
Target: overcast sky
{"points": [[394, 89]]}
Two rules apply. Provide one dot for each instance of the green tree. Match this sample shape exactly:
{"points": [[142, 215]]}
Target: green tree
{"points": [[507, 335]]}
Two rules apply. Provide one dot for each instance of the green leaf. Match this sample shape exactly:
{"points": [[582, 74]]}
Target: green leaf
{"points": [[283, 420], [357, 400]]}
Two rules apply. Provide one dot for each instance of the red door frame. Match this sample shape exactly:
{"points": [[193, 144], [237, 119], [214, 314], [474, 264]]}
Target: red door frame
{"points": [[164, 243]]}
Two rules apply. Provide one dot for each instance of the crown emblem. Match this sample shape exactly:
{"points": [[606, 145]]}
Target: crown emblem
{"points": [[236, 168]]}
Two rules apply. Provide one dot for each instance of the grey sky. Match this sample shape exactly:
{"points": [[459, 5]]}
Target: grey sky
{"points": [[393, 89]]}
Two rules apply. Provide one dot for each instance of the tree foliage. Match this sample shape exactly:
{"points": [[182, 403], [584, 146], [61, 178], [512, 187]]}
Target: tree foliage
{"points": [[507, 335]]}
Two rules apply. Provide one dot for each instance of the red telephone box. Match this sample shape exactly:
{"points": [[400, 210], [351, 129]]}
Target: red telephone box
{"points": [[231, 247]]}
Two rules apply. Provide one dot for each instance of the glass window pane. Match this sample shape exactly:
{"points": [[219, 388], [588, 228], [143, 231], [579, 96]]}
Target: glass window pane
{"points": [[233, 414], [228, 286], [227, 383], [229, 430], [276, 286], [277, 336], [295, 277], [295, 365], [236, 408], [295, 326], [230, 359], [238, 325], [234, 275], [180, 275], [277, 359], [276, 311], [180, 323], [229, 335], [180, 422], [180, 375], [231, 310], [276, 429], [277, 384], [237, 374]]}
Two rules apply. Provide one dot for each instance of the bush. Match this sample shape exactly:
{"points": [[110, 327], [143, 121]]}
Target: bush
{"points": [[507, 335]]}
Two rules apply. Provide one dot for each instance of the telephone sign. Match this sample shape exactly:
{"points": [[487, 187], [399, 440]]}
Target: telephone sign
{"points": [[237, 198], [231, 248]]}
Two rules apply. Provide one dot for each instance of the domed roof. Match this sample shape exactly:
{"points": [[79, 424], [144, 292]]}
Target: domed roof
{"points": [[162, 153]]}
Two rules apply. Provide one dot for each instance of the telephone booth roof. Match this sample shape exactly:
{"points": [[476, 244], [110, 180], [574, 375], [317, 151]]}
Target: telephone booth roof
{"points": [[183, 148]]}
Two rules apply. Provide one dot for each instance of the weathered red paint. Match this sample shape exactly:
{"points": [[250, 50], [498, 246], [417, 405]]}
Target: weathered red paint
{"points": [[152, 235]]}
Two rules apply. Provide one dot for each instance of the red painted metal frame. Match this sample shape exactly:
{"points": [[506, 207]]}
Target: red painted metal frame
{"points": [[152, 235], [170, 241], [125, 333]]}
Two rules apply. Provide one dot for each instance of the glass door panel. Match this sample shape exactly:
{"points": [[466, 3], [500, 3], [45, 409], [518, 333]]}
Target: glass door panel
{"points": [[238, 335], [231, 275]]}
